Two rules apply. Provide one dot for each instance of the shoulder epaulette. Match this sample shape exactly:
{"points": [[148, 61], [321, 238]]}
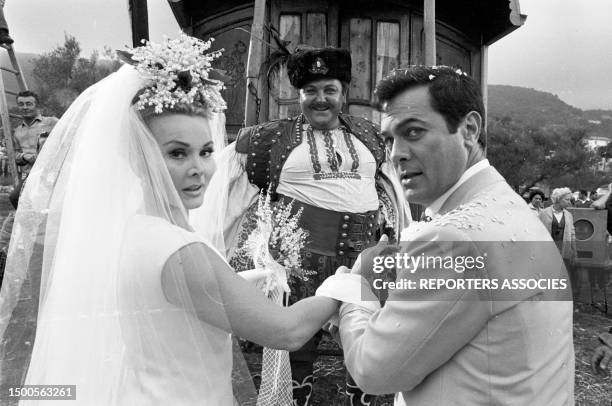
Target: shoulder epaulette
{"points": [[242, 139], [267, 146]]}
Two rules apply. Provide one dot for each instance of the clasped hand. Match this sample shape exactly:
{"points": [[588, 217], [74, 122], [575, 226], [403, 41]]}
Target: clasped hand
{"points": [[365, 258]]}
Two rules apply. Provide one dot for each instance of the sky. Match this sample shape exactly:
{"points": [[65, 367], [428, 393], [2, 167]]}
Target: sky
{"points": [[565, 46]]}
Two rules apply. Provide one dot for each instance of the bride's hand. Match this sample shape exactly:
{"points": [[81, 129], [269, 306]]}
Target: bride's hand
{"points": [[257, 277]]}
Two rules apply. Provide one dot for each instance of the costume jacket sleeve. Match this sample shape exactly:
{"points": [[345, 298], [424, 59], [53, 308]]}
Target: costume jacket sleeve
{"points": [[417, 331]]}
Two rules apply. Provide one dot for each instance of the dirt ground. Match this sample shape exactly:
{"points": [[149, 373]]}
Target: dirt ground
{"points": [[590, 389]]}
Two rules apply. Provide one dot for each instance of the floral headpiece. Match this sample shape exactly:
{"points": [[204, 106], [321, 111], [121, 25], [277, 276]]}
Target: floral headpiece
{"points": [[178, 71]]}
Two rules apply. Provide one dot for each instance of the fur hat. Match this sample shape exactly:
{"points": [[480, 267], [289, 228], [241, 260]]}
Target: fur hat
{"points": [[306, 65]]}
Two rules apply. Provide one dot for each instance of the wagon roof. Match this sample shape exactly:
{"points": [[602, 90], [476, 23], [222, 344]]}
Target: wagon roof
{"points": [[480, 20]]}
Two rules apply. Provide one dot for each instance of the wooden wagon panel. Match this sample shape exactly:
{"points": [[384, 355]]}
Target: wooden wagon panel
{"points": [[231, 32], [380, 38]]}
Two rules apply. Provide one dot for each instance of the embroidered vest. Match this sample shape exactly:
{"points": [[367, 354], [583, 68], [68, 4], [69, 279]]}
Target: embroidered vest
{"points": [[557, 228], [269, 144]]}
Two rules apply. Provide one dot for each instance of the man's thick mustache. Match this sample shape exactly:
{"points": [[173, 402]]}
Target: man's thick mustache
{"points": [[320, 105]]}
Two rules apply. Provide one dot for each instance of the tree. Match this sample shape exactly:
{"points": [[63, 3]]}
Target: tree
{"points": [[62, 74], [527, 155], [516, 151]]}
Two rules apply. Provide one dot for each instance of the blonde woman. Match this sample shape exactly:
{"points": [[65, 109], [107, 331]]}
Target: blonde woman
{"points": [[560, 223]]}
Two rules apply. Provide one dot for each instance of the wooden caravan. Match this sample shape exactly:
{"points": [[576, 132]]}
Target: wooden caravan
{"points": [[381, 35]]}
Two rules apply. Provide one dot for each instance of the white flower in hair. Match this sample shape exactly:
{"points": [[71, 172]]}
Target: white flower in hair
{"points": [[177, 71]]}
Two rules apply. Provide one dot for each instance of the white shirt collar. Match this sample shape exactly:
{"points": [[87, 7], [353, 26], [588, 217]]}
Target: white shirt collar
{"points": [[437, 204]]}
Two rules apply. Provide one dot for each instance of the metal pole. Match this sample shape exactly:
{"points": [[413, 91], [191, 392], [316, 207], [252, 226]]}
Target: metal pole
{"points": [[254, 64], [429, 24]]}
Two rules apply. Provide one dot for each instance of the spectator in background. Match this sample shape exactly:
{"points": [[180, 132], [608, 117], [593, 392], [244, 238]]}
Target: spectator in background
{"points": [[583, 201], [28, 133], [536, 200], [3, 161], [605, 203], [560, 224], [5, 38]]}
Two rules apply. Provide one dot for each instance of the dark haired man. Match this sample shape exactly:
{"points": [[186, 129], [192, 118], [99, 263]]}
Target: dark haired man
{"points": [[28, 133], [332, 165], [472, 346]]}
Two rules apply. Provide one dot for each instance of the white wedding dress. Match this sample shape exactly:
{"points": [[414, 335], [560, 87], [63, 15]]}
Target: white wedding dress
{"points": [[101, 199], [175, 368]]}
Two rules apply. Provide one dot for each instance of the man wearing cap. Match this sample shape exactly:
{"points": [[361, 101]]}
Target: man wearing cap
{"points": [[332, 165]]}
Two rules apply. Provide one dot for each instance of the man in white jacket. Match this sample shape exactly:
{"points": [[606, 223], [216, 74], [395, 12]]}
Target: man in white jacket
{"points": [[482, 344]]}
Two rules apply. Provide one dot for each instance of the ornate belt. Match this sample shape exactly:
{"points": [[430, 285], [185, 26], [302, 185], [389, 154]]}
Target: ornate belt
{"points": [[334, 233]]}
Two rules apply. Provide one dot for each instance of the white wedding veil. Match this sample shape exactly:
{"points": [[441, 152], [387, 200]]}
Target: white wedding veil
{"points": [[63, 301]]}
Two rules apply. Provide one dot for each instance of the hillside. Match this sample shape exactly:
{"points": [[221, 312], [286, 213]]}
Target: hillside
{"points": [[541, 109], [531, 106]]}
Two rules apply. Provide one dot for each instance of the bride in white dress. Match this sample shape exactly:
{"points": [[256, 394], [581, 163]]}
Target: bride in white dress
{"points": [[134, 307]]}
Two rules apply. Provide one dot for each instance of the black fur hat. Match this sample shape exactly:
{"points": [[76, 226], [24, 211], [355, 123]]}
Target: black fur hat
{"points": [[307, 65]]}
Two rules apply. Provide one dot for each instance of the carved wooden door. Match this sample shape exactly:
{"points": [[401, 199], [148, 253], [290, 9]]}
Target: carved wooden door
{"points": [[231, 33]]}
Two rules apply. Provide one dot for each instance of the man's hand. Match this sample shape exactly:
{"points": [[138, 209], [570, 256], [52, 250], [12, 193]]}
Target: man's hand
{"points": [[367, 256], [365, 261], [365, 265], [602, 360]]}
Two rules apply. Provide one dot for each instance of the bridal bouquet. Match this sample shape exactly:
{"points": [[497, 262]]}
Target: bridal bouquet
{"points": [[276, 244]]}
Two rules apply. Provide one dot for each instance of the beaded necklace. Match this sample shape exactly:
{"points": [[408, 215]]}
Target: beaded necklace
{"points": [[330, 153]]}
